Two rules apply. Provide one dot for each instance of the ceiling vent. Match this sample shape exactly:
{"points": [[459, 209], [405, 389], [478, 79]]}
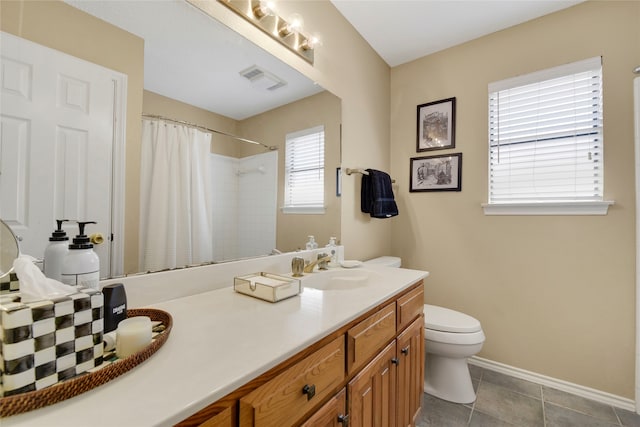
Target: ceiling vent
{"points": [[262, 79]]}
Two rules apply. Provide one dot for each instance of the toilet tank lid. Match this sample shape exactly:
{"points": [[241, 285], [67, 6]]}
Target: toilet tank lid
{"points": [[447, 320], [389, 261]]}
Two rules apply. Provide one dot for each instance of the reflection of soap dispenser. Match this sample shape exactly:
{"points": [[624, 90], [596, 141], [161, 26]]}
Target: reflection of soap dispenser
{"points": [[311, 244], [81, 266], [332, 248], [56, 251]]}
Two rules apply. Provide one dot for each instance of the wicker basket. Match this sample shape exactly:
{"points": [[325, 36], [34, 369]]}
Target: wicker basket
{"points": [[12, 405]]}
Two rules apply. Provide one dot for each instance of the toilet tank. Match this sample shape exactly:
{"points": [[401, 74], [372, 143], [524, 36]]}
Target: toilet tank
{"points": [[387, 261]]}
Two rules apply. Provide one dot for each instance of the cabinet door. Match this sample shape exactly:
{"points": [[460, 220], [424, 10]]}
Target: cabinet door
{"points": [[332, 414], [410, 373], [372, 393]]}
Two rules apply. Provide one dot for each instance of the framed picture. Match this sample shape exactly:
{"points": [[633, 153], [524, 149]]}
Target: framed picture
{"points": [[436, 173], [436, 125]]}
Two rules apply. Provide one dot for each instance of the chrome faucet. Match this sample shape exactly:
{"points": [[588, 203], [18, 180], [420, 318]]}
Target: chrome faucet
{"points": [[321, 262]]}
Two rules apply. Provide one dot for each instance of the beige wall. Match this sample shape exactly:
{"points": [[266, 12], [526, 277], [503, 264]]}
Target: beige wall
{"points": [[59, 26], [220, 144], [555, 294], [271, 128]]}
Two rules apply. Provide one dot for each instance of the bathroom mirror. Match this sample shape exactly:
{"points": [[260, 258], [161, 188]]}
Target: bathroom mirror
{"points": [[247, 107], [9, 249]]}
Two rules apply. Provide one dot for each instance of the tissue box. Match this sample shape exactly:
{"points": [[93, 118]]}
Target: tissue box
{"points": [[44, 342]]}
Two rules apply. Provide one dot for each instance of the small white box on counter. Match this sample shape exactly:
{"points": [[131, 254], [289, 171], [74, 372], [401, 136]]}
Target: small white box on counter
{"points": [[267, 286]]}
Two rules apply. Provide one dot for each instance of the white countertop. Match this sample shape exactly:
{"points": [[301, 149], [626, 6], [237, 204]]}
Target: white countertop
{"points": [[220, 340]]}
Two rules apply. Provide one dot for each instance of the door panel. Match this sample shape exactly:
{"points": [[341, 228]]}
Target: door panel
{"points": [[56, 144]]}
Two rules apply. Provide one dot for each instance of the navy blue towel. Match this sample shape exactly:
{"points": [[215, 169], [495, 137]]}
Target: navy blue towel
{"points": [[376, 195]]}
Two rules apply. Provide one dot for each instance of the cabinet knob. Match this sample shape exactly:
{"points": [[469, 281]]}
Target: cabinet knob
{"points": [[309, 390], [343, 419], [405, 351], [395, 361]]}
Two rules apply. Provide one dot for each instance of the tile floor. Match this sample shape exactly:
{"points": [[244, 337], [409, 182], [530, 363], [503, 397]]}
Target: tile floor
{"points": [[503, 401]]}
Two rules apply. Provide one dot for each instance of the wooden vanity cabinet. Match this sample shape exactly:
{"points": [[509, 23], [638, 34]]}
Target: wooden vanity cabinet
{"points": [[368, 373]]}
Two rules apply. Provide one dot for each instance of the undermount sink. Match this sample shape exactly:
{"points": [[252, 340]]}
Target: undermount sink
{"points": [[340, 279]]}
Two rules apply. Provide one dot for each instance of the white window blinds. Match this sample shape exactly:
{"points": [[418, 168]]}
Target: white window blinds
{"points": [[304, 171], [545, 135]]}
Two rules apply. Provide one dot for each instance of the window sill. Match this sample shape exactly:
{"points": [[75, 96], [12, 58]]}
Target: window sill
{"points": [[548, 208], [310, 210]]}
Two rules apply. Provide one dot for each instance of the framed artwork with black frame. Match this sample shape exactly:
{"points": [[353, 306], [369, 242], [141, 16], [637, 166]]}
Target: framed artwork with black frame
{"points": [[436, 173], [436, 125]]}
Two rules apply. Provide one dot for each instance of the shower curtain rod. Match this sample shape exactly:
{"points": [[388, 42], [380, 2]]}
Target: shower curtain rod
{"points": [[182, 122]]}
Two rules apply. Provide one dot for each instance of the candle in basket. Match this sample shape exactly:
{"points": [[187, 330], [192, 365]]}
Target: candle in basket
{"points": [[132, 335]]}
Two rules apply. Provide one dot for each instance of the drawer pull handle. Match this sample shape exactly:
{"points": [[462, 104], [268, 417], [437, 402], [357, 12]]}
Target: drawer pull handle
{"points": [[395, 361], [343, 419], [405, 351], [309, 390]]}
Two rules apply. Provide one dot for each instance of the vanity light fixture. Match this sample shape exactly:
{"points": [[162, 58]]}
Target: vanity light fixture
{"points": [[288, 32]]}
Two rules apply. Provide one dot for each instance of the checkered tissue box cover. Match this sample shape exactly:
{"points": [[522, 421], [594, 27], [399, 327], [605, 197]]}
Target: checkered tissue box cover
{"points": [[44, 342]]}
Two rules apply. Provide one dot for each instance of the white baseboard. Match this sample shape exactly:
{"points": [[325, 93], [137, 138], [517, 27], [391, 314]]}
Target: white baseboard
{"points": [[582, 391]]}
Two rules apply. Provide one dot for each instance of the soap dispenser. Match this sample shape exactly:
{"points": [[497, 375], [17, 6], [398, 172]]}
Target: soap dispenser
{"points": [[332, 248], [311, 244], [55, 252], [81, 265]]}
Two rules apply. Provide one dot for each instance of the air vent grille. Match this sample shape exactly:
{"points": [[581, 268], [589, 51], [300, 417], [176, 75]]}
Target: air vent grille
{"points": [[262, 79]]}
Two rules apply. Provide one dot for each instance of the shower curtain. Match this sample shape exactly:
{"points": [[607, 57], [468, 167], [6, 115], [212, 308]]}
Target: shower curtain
{"points": [[175, 196]]}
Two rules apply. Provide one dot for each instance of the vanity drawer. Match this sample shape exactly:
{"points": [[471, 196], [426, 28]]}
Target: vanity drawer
{"points": [[285, 399], [410, 306], [367, 338]]}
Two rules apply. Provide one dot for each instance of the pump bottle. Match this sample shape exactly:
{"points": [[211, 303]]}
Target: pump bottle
{"points": [[311, 244], [56, 251], [332, 248], [81, 266]]}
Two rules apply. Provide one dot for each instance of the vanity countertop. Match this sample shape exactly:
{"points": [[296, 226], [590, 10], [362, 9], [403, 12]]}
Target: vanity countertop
{"points": [[220, 341]]}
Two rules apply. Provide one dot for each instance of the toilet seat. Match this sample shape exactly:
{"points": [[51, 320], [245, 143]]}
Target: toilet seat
{"points": [[472, 338], [449, 321]]}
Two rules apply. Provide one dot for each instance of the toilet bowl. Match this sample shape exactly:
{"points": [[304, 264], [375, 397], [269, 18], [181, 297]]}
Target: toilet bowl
{"points": [[450, 338]]}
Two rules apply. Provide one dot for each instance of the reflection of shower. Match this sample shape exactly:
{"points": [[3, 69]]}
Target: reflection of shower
{"points": [[244, 212], [260, 169]]}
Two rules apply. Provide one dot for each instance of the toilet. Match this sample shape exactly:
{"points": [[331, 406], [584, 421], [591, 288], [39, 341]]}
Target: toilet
{"points": [[451, 338]]}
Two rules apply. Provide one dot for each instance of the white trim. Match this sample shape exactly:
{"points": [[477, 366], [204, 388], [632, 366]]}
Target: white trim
{"points": [[578, 390], [548, 208], [118, 173], [636, 112], [306, 210], [547, 74]]}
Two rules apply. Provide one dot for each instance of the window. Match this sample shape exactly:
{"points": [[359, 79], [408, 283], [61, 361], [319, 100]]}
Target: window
{"points": [[304, 172], [545, 140]]}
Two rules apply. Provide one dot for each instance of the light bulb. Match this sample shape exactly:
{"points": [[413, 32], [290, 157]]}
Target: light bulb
{"points": [[296, 22], [263, 8]]}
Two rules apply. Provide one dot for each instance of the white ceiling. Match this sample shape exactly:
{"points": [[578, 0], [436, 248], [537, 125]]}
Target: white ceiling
{"points": [[195, 59], [403, 30]]}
